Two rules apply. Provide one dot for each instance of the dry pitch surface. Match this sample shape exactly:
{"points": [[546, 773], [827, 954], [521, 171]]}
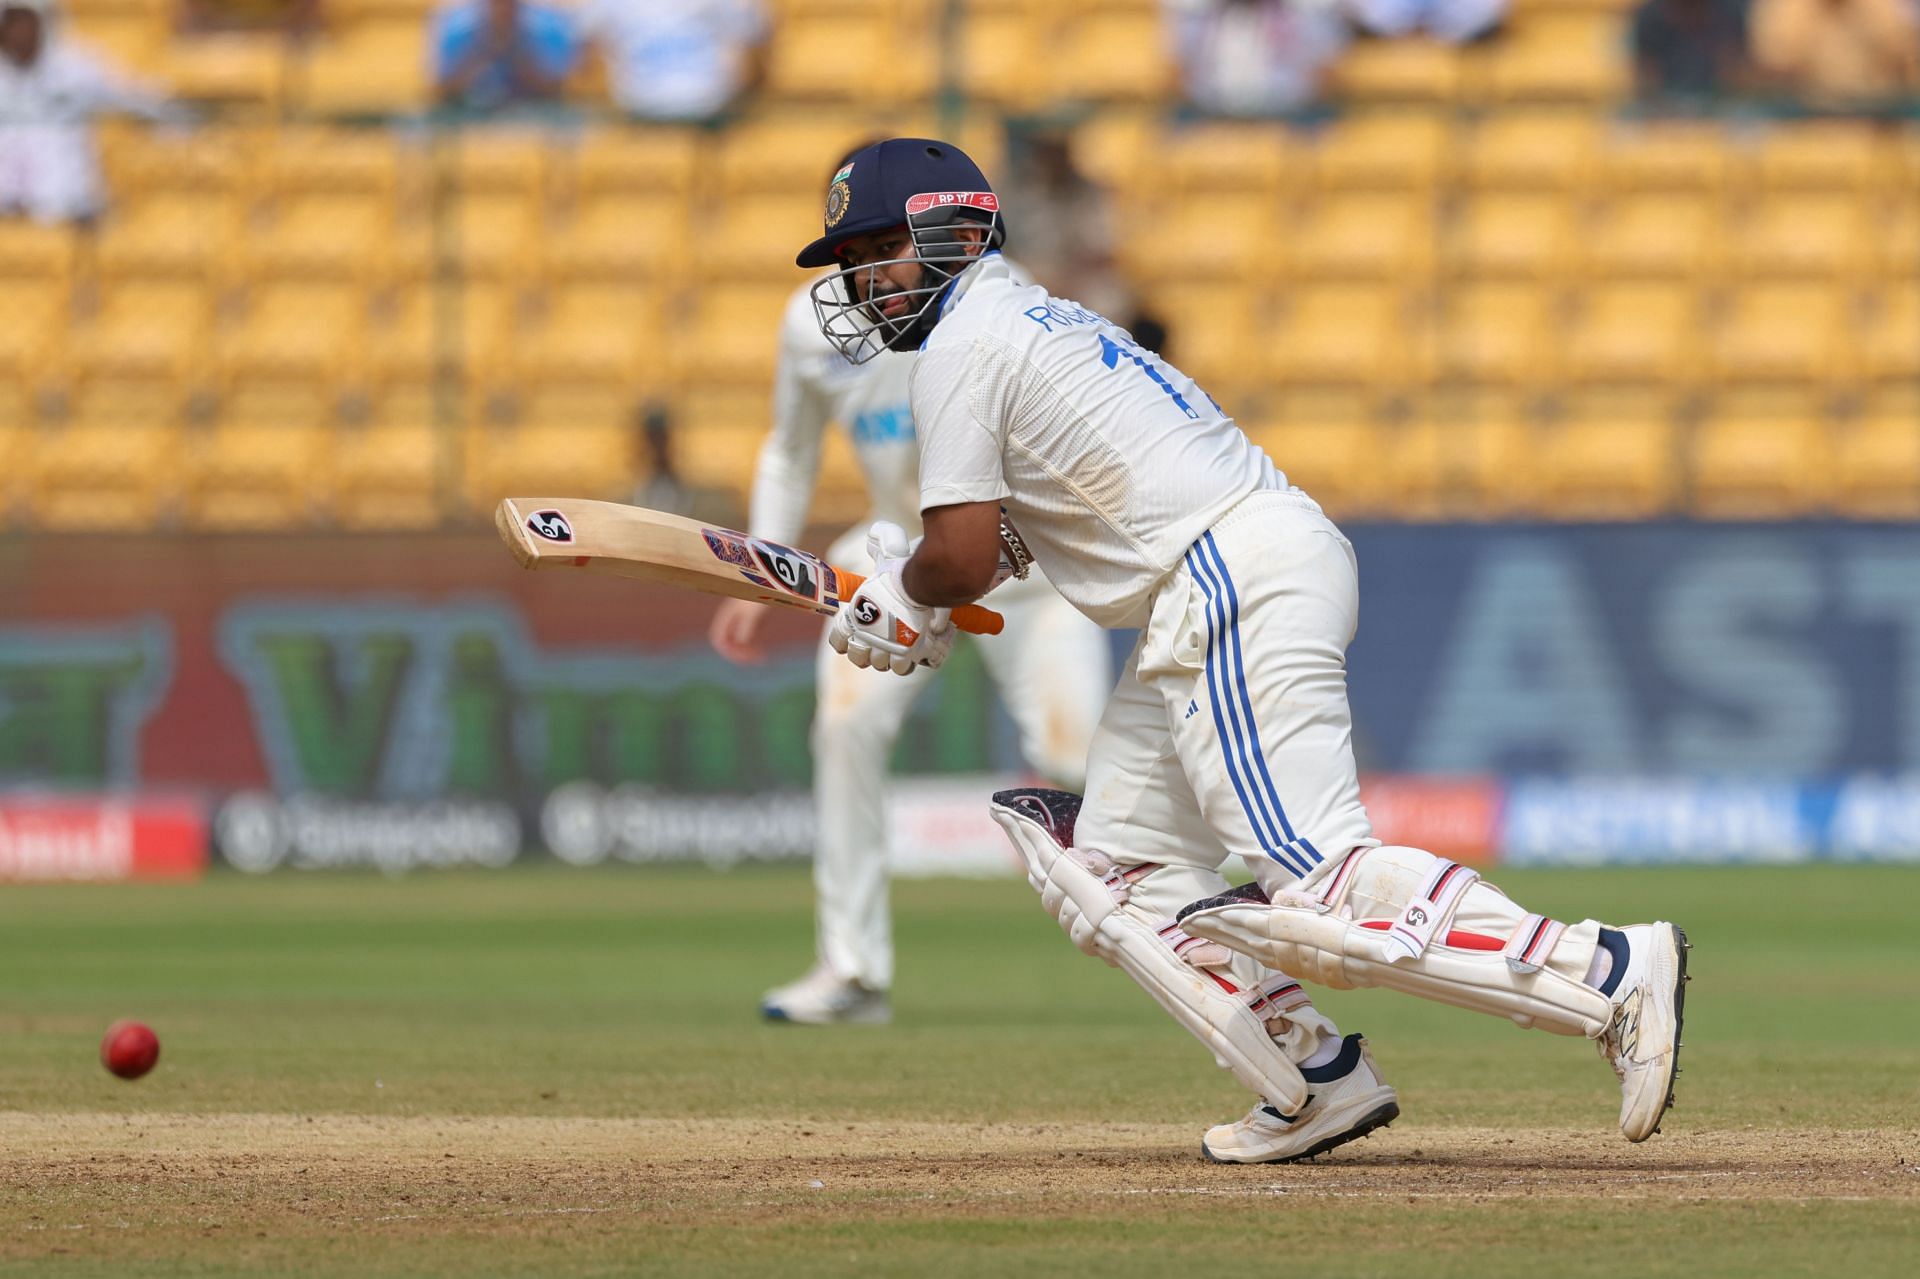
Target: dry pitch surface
{"points": [[445, 1077]]}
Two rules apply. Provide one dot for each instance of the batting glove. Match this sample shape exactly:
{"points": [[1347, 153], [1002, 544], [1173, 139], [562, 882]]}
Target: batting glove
{"points": [[881, 627]]}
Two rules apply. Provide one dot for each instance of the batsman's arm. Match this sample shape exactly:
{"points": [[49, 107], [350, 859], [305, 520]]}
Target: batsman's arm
{"points": [[958, 555]]}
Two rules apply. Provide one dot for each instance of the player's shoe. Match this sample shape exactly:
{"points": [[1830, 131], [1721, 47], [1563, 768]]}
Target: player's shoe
{"points": [[1642, 1041], [823, 999], [1348, 1101]]}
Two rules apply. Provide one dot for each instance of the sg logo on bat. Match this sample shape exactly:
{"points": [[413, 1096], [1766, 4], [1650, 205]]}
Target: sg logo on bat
{"points": [[550, 524]]}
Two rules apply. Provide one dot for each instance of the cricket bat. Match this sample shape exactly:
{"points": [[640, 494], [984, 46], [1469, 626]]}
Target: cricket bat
{"points": [[655, 546]]}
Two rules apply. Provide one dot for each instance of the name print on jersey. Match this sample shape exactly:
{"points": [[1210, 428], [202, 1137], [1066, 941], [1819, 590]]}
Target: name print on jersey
{"points": [[1064, 314]]}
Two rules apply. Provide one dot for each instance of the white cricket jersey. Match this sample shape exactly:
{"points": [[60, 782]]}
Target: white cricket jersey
{"points": [[1110, 461], [814, 385]]}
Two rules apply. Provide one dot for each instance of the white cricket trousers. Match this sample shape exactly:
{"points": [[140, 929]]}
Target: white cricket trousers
{"points": [[1052, 669], [1230, 734]]}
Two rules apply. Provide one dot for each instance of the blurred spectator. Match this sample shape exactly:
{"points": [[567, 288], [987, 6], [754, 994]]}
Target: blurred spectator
{"points": [[680, 59], [1839, 52], [1254, 57], [489, 54], [292, 17], [1690, 48], [663, 489], [50, 91], [1455, 21]]}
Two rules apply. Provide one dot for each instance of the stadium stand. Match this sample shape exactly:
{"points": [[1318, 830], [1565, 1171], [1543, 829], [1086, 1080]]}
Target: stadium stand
{"points": [[1476, 289]]}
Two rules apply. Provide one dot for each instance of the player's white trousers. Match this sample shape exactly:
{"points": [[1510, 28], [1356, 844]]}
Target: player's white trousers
{"points": [[1230, 734], [1053, 672]]}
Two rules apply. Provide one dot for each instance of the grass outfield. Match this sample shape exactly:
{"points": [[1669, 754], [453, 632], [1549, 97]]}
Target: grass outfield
{"points": [[549, 1071]]}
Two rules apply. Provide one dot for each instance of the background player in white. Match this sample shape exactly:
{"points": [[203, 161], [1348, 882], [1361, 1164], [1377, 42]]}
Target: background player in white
{"points": [[1229, 732], [1050, 665]]}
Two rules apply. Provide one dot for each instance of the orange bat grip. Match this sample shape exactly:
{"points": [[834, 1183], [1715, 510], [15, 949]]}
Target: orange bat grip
{"points": [[970, 618]]}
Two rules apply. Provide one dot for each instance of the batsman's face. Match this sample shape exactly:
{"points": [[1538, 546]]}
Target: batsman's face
{"points": [[892, 268]]}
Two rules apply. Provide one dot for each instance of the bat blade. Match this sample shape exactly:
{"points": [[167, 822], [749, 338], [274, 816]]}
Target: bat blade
{"points": [[658, 546]]}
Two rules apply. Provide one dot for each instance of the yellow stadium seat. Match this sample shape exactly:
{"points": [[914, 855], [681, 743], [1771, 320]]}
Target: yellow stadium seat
{"points": [[1209, 236], [1331, 448], [1240, 158], [16, 457], [1634, 334], [243, 68], [1896, 244], [1374, 236], [1004, 57], [1479, 445], [170, 233], [835, 57], [428, 328], [622, 235], [209, 159], [570, 456], [1402, 70], [1527, 236], [716, 438], [373, 67], [1396, 150], [731, 334], [1216, 335], [1773, 333], [1658, 235], [1890, 337], [795, 157], [1666, 156], [1827, 156], [144, 329], [335, 161], [119, 476], [322, 235], [1607, 467], [387, 475], [1111, 53], [1558, 57], [1535, 151], [1876, 464], [34, 317], [489, 235], [1762, 460], [655, 160], [256, 476], [36, 251], [761, 234], [500, 162], [1495, 334], [132, 39], [1824, 236], [1345, 335], [601, 335], [308, 331]]}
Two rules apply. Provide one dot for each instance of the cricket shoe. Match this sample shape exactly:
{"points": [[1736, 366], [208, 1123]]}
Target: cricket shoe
{"points": [[1348, 1101], [822, 998], [1642, 1040]]}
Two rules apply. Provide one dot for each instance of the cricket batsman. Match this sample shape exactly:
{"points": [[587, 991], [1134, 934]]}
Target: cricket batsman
{"points": [[1050, 665], [1229, 733]]}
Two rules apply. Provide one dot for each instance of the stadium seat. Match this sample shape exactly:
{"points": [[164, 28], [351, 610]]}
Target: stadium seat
{"points": [[238, 68], [657, 160], [1329, 446], [1833, 157], [761, 234], [1231, 159], [510, 162], [37, 317], [1561, 56], [267, 475], [1345, 335], [622, 235], [132, 39], [1112, 53], [1004, 56], [731, 334], [1665, 156], [1120, 149], [1395, 150], [1896, 244], [143, 329], [563, 453], [387, 474], [1527, 236], [1774, 333], [1607, 466], [487, 235], [213, 158], [1374, 236], [1531, 151], [372, 68], [430, 327], [336, 161], [716, 441], [849, 56], [1482, 442], [789, 156], [1213, 236], [1890, 336], [16, 458], [170, 234], [1408, 70], [1217, 336], [1495, 334], [1762, 459], [114, 476], [327, 236], [1657, 235], [1815, 236], [599, 335], [310, 331], [1876, 463], [34, 250], [1634, 334]]}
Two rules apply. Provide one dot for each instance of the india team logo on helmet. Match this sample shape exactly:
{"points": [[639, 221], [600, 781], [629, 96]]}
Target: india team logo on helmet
{"points": [[839, 196]]}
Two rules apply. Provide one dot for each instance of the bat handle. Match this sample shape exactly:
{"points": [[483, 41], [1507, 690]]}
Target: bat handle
{"points": [[971, 618]]}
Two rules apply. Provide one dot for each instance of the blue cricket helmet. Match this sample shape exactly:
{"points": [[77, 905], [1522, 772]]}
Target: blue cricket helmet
{"points": [[903, 182]]}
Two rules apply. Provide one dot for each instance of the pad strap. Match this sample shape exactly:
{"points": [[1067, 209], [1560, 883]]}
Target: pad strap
{"points": [[1532, 942], [1430, 911]]}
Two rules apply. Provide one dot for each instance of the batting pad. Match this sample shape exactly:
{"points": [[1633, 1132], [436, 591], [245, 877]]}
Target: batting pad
{"points": [[1211, 1007], [1319, 946]]}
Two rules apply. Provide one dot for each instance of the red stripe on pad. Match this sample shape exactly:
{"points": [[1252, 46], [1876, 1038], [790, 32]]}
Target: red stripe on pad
{"points": [[1458, 938]]}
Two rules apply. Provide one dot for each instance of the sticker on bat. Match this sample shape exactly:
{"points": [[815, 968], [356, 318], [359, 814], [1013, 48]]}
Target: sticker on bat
{"points": [[550, 524], [796, 571], [727, 546]]}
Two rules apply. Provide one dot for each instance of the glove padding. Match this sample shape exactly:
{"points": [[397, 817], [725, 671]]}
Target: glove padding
{"points": [[881, 627]]}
